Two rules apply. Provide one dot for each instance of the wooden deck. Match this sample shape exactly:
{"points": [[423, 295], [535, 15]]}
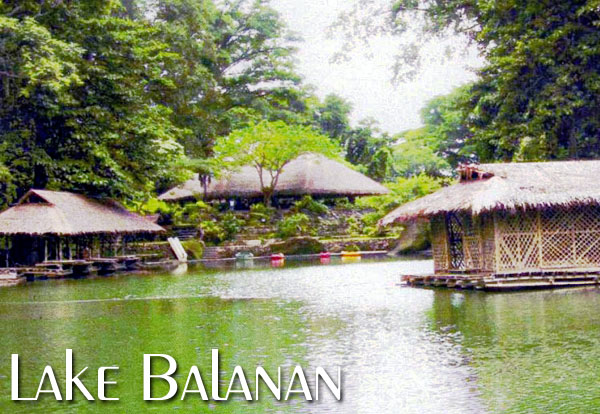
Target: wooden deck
{"points": [[506, 282], [55, 269]]}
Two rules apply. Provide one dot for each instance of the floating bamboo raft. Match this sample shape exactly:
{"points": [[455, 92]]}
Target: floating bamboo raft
{"points": [[507, 282]]}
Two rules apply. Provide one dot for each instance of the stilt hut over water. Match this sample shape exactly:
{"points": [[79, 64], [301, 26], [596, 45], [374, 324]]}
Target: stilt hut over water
{"points": [[309, 174], [57, 225], [514, 219]]}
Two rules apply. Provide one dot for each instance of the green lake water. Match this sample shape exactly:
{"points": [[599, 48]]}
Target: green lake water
{"points": [[401, 350]]}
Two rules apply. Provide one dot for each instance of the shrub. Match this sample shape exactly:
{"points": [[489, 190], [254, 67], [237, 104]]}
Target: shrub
{"points": [[352, 248], [401, 191], [193, 213], [371, 219], [294, 225], [344, 204], [194, 248], [231, 225], [259, 213], [213, 233], [298, 245], [307, 204], [154, 205], [354, 226]]}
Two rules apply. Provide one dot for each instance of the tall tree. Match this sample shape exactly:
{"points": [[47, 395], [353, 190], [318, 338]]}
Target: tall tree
{"points": [[538, 97], [368, 147], [333, 116], [237, 67], [78, 112]]}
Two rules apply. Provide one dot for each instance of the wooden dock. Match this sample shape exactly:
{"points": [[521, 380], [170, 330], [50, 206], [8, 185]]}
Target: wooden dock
{"points": [[56, 269], [505, 282]]}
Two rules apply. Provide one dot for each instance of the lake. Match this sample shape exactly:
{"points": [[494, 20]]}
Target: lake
{"points": [[401, 350]]}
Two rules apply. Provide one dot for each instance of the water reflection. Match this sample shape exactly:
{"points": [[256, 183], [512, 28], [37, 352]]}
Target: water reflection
{"points": [[532, 351], [402, 350]]}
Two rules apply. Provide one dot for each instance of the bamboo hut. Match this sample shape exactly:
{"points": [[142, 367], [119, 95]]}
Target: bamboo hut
{"points": [[56, 225], [533, 224], [309, 174]]}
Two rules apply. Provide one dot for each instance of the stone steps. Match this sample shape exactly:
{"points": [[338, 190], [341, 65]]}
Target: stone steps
{"points": [[211, 252]]}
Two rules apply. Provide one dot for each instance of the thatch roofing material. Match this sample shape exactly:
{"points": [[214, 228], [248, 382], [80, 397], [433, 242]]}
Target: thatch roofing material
{"points": [[312, 174], [42, 212], [510, 186]]}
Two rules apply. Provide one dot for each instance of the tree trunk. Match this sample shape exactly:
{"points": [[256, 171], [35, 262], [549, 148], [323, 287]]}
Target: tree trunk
{"points": [[267, 194]]}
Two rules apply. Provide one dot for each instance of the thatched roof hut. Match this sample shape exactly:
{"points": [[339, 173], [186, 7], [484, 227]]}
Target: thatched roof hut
{"points": [[514, 219], [487, 187], [43, 212], [311, 174]]}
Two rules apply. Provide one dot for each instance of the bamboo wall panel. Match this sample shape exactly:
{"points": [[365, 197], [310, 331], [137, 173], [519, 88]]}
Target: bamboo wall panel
{"points": [[548, 239], [439, 244], [488, 243]]}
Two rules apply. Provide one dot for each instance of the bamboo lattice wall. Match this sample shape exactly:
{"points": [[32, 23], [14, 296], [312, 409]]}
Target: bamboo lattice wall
{"points": [[525, 241], [548, 239], [439, 244], [476, 242]]}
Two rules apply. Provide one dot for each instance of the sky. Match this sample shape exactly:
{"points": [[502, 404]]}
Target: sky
{"points": [[366, 82]]}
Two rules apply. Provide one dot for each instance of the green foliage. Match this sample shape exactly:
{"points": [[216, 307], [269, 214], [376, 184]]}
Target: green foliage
{"points": [[260, 214], [236, 67], [537, 98], [294, 225], [371, 219], [354, 226], [269, 147], [344, 204], [193, 213], [333, 117], [367, 147], [153, 206], [380, 167], [221, 227], [438, 147], [298, 245], [213, 233], [194, 248], [418, 154], [402, 191], [352, 248], [231, 225], [308, 205], [79, 109]]}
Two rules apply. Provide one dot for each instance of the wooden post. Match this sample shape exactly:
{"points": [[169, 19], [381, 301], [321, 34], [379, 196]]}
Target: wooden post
{"points": [[540, 235], [497, 236]]}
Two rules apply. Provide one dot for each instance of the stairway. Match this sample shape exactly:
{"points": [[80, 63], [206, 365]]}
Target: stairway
{"points": [[211, 253], [185, 233]]}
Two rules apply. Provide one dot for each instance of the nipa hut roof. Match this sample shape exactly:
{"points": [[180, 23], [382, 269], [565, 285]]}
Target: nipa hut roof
{"points": [[42, 212], [487, 187], [310, 173]]}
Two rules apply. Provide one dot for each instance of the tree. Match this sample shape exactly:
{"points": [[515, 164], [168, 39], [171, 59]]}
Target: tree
{"points": [[446, 121], [269, 147], [417, 154], [442, 143], [380, 167], [333, 117], [539, 95], [366, 146], [236, 67], [79, 111]]}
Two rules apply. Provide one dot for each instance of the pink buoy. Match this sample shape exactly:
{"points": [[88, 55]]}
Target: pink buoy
{"points": [[277, 260]]}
